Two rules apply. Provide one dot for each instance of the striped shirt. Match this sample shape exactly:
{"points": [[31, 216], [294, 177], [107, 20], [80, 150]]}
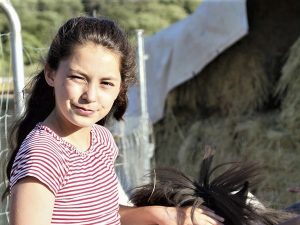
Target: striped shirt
{"points": [[84, 183]]}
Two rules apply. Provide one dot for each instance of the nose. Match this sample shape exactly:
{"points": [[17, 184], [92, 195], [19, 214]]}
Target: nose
{"points": [[90, 93]]}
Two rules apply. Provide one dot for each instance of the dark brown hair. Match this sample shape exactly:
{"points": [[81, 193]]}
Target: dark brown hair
{"points": [[75, 32]]}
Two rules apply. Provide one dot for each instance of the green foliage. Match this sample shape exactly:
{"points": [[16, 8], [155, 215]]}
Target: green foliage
{"points": [[190, 5], [4, 46], [3, 22], [32, 52], [151, 16], [40, 20]]}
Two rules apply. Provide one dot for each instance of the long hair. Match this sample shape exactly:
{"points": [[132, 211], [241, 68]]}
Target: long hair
{"points": [[75, 32], [226, 194]]}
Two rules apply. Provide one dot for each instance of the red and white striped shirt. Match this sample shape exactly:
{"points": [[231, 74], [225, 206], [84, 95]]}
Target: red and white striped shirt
{"points": [[84, 183]]}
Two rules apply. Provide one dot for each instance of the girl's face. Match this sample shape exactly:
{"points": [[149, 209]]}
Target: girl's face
{"points": [[86, 85]]}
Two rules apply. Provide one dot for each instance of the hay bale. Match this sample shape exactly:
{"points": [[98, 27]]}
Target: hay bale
{"points": [[288, 90], [232, 85], [264, 139]]}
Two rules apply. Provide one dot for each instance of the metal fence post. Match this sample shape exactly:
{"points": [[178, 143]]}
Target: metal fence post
{"points": [[148, 142], [17, 55]]}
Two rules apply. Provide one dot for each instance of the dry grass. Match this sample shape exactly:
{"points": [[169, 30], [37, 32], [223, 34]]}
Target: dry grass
{"points": [[227, 86]]}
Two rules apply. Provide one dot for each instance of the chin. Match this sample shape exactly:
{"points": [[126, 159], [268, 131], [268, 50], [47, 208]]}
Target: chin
{"points": [[84, 123]]}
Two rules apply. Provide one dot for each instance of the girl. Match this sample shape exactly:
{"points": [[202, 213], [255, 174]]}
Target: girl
{"points": [[62, 167]]}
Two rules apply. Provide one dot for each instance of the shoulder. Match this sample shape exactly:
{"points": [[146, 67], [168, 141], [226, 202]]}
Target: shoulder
{"points": [[40, 156], [41, 149], [105, 139], [42, 141], [102, 133], [100, 128]]}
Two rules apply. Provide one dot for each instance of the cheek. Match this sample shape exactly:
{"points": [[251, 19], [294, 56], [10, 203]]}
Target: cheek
{"points": [[117, 94], [110, 98], [72, 90]]}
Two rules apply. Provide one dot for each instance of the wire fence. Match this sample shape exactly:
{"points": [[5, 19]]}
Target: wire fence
{"points": [[6, 117]]}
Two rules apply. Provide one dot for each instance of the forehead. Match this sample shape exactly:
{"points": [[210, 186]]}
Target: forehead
{"points": [[93, 48], [93, 58]]}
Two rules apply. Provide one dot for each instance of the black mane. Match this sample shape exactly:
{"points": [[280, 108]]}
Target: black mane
{"points": [[226, 194]]}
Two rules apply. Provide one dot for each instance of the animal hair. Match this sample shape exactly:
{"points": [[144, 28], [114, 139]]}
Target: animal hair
{"points": [[226, 194]]}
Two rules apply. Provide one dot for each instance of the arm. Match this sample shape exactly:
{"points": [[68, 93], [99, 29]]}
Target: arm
{"points": [[31, 203], [160, 215]]}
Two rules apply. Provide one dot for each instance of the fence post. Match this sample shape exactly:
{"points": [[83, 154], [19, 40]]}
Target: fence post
{"points": [[17, 54], [146, 129]]}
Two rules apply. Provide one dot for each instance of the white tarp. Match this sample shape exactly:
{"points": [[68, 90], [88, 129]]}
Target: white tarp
{"points": [[182, 50]]}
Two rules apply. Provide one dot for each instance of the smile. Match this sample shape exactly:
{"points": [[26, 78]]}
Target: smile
{"points": [[83, 111]]}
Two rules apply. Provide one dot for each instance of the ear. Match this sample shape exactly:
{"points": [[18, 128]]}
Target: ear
{"points": [[49, 75]]}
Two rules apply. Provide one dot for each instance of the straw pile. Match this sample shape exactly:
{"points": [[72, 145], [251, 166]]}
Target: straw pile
{"points": [[288, 89]]}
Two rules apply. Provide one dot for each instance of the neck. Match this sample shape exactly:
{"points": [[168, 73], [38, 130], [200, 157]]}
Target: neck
{"points": [[75, 135]]}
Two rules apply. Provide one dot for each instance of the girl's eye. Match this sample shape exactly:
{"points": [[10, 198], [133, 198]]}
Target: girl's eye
{"points": [[107, 83], [78, 78]]}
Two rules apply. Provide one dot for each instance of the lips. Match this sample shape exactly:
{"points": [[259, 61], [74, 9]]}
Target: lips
{"points": [[83, 111]]}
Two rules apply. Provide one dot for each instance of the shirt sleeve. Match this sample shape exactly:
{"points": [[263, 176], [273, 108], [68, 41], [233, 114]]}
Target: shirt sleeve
{"points": [[41, 162]]}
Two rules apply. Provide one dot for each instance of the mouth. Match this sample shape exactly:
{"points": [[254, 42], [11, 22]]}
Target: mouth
{"points": [[83, 110]]}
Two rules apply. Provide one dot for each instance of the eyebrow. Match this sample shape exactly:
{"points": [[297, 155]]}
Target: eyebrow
{"points": [[87, 76], [79, 72]]}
